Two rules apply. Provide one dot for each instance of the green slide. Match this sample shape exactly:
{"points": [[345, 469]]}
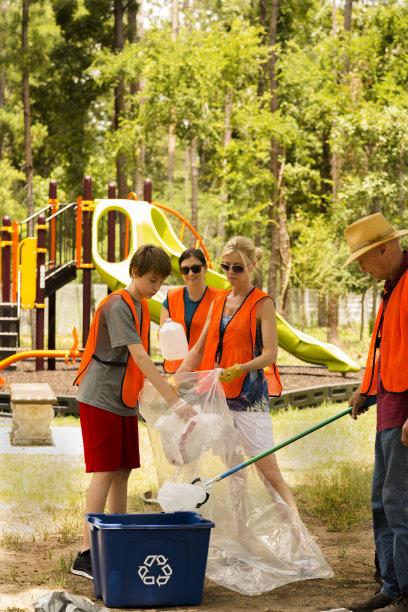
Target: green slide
{"points": [[148, 224]]}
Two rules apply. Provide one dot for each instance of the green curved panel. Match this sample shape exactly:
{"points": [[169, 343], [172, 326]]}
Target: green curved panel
{"points": [[311, 350], [149, 225]]}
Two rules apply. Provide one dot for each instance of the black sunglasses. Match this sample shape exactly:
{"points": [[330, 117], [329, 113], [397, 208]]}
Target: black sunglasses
{"points": [[194, 269], [237, 269]]}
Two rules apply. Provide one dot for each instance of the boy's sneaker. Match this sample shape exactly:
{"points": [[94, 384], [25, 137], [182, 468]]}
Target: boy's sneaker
{"points": [[82, 565]]}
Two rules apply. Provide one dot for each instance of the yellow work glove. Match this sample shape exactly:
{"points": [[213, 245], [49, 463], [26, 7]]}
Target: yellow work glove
{"points": [[172, 381], [229, 374]]}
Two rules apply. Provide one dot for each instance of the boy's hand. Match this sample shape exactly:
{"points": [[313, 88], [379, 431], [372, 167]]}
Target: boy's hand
{"points": [[229, 374], [184, 410]]}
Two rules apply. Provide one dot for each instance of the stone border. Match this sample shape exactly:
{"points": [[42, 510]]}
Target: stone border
{"points": [[313, 396], [298, 398]]}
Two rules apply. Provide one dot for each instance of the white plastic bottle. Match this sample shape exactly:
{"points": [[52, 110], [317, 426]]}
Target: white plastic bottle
{"points": [[173, 341]]}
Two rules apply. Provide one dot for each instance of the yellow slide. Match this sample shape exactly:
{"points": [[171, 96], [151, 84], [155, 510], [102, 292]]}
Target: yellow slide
{"points": [[148, 224]]}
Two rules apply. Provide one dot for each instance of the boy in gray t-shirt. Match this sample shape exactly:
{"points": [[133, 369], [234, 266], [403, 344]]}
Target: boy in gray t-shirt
{"points": [[115, 332], [110, 375]]}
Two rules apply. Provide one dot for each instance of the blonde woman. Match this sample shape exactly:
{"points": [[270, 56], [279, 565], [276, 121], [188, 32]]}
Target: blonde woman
{"points": [[240, 336]]}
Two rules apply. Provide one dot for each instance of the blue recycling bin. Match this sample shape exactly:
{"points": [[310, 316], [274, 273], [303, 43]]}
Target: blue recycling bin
{"points": [[149, 560]]}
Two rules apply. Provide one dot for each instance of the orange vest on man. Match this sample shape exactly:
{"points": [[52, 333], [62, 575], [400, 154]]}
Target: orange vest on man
{"points": [[175, 300], [133, 379], [238, 342], [391, 332]]}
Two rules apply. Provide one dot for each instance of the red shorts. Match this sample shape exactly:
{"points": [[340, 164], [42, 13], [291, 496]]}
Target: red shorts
{"points": [[110, 440]]}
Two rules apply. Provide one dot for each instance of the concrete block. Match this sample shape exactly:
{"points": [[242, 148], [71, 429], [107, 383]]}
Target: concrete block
{"points": [[32, 409]]}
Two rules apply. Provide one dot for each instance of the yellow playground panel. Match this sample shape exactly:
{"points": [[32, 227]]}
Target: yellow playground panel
{"points": [[27, 266]]}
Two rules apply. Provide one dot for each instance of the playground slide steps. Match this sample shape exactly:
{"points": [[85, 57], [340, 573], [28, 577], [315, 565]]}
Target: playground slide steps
{"points": [[58, 276], [9, 329]]}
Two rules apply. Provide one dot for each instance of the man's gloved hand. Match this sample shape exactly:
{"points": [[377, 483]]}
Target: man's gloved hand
{"points": [[174, 384], [229, 374]]}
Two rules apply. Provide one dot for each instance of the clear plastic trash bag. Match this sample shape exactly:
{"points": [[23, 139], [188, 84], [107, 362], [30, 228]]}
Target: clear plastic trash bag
{"points": [[258, 542]]}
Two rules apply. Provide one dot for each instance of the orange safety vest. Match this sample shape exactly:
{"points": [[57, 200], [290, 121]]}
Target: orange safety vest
{"points": [[133, 379], [175, 300], [393, 338], [238, 343]]}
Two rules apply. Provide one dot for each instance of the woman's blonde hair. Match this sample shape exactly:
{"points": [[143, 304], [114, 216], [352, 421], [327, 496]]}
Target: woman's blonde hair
{"points": [[245, 247]]}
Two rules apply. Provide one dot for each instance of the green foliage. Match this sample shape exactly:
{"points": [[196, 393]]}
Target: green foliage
{"points": [[318, 255], [342, 103]]}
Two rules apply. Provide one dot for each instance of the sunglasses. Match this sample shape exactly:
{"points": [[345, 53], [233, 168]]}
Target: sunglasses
{"points": [[194, 269], [237, 269]]}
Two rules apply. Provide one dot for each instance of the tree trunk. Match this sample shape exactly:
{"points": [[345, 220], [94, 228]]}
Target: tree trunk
{"points": [[187, 176], [118, 45], [258, 279], [348, 9], [172, 127], [274, 157], [334, 18], [333, 319], [402, 173], [301, 308], [362, 322], [2, 102], [262, 80], [28, 165], [284, 246], [194, 189], [336, 163], [321, 311], [135, 34], [224, 163]]}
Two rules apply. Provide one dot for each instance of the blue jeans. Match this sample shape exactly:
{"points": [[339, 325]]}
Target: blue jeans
{"points": [[389, 500]]}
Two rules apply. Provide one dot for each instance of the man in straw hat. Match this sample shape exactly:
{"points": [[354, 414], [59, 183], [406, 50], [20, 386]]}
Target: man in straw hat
{"points": [[374, 245]]}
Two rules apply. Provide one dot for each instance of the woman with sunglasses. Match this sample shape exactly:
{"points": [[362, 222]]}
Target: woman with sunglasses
{"points": [[189, 305], [240, 336]]}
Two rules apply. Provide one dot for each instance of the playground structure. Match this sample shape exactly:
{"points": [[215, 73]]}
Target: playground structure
{"points": [[102, 234]]}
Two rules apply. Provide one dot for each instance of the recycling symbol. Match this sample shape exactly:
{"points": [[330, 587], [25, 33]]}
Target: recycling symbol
{"points": [[155, 570]]}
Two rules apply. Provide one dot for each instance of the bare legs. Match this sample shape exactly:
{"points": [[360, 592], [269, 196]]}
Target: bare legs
{"points": [[268, 466], [111, 486]]}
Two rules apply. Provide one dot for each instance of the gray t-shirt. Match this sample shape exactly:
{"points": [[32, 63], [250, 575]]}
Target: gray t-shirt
{"points": [[101, 385]]}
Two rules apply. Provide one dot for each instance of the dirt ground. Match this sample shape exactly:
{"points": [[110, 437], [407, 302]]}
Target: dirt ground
{"points": [[350, 554], [26, 573]]}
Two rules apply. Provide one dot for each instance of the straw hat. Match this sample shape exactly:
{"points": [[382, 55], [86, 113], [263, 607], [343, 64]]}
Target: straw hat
{"points": [[368, 233]]}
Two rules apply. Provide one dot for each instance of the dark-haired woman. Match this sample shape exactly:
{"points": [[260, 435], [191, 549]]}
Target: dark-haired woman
{"points": [[189, 305]]}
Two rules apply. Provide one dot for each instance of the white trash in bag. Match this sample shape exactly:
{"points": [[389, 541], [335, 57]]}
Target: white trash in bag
{"points": [[183, 441], [178, 496], [173, 341]]}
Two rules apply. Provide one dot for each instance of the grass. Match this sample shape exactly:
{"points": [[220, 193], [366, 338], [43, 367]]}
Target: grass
{"points": [[329, 472], [43, 496], [65, 421]]}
